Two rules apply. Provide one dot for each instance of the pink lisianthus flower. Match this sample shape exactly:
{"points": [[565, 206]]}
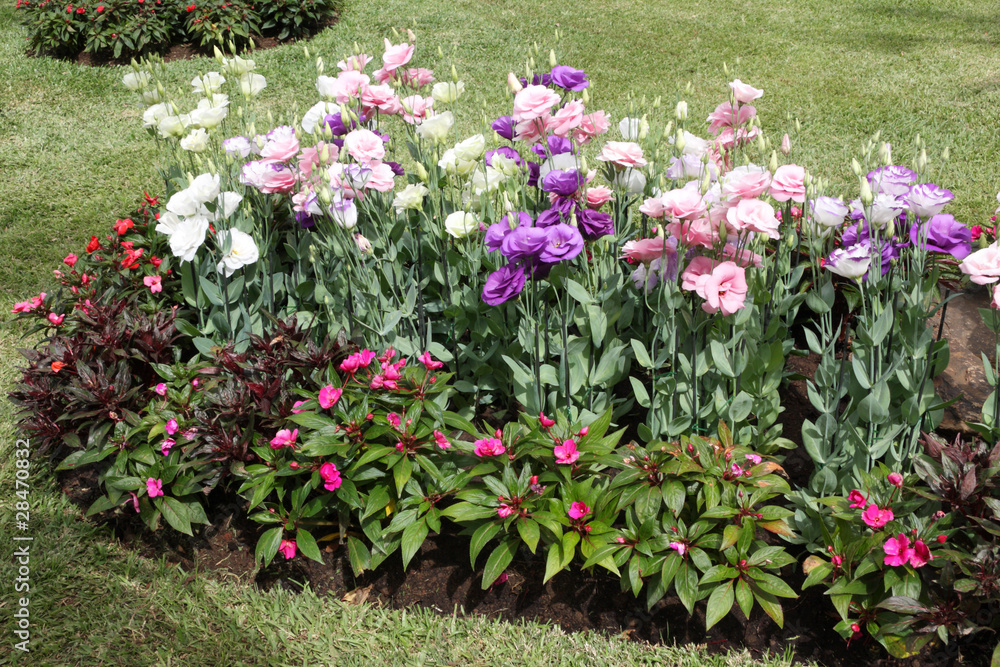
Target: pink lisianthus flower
{"points": [[171, 426], [154, 487], [593, 124], [396, 56], [897, 550], [566, 453], [284, 438], [287, 549], [875, 517], [645, 251], [983, 266], [578, 510], [416, 108], [744, 93], [331, 476], [598, 196], [154, 283], [623, 154], [533, 102], [329, 395], [365, 146], [441, 440], [489, 447], [429, 362], [567, 119], [788, 183], [725, 289], [753, 215], [728, 116], [416, 77]]}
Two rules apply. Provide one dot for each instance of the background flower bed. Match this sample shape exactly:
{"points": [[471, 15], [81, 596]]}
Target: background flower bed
{"points": [[76, 236]]}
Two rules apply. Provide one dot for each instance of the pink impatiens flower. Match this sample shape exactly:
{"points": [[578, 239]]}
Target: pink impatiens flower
{"points": [[489, 447], [328, 396], [56, 319], [331, 476], [754, 459], [567, 452], [921, 554], [895, 479], [441, 440], [295, 407], [545, 421], [287, 549], [680, 547], [897, 550], [875, 517], [857, 500], [154, 487], [284, 438], [160, 389], [153, 283], [429, 362], [171, 426], [578, 510], [166, 445], [70, 260], [504, 510]]}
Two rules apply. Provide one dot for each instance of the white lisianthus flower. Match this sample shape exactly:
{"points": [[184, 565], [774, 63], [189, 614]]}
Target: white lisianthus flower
{"points": [[137, 80], [411, 197], [472, 149], [629, 128], [172, 126], [693, 145], [447, 92], [184, 203], [196, 141], [631, 180], [460, 224], [151, 96], [327, 86], [204, 188], [236, 146], [505, 165], [238, 66], [152, 116], [251, 84], [436, 127], [452, 165], [207, 115], [560, 162], [488, 182], [168, 222], [316, 114], [242, 251], [227, 204], [344, 212], [188, 236], [210, 83]]}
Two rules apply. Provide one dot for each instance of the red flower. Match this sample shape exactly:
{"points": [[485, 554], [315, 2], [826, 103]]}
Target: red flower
{"points": [[70, 260], [100, 8], [80, 10], [155, 261], [190, 8], [69, 9], [122, 226], [93, 245], [131, 259], [57, 366]]}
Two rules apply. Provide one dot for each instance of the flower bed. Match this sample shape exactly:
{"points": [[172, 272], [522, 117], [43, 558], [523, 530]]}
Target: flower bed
{"points": [[366, 330]]}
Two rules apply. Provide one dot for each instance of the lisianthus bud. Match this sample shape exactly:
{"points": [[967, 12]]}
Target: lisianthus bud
{"points": [[680, 142], [786, 144], [681, 112], [856, 167], [643, 128], [552, 58], [421, 172], [885, 153], [866, 192], [325, 195], [585, 97], [922, 161], [364, 245], [513, 85], [773, 164]]}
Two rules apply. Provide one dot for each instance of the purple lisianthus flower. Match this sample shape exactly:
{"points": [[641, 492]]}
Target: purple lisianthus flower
{"points": [[556, 146], [397, 168], [538, 80], [550, 217], [942, 233], [926, 200], [568, 78], [594, 224], [504, 126], [533, 170], [305, 219], [563, 243], [524, 243], [505, 151], [504, 284], [892, 180], [856, 233], [498, 231], [563, 183], [850, 262], [336, 124], [689, 167]]}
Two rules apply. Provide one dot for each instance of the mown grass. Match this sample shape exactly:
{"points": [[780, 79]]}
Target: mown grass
{"points": [[73, 158]]}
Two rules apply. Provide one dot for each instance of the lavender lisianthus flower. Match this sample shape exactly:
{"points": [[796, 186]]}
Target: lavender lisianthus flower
{"points": [[926, 199], [850, 262], [556, 146], [594, 224], [498, 231], [523, 243], [552, 216], [563, 243], [942, 233], [829, 211], [504, 126], [568, 78], [504, 284], [538, 80], [533, 170], [892, 180], [855, 234], [505, 151], [689, 167], [236, 146], [397, 168], [563, 183]]}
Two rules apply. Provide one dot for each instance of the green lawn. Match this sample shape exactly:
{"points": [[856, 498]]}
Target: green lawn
{"points": [[73, 157]]}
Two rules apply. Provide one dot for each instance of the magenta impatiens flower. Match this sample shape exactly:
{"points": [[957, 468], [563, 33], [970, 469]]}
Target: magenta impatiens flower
{"points": [[287, 549], [545, 421], [578, 510], [166, 445], [331, 476], [897, 550], [680, 547], [504, 510], [875, 517], [441, 440], [567, 452], [284, 438], [160, 389], [857, 500], [171, 426], [154, 487], [328, 396], [489, 447], [895, 479], [921, 554], [429, 362]]}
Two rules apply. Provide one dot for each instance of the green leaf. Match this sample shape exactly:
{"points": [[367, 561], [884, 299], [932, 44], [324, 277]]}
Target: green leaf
{"points": [[579, 292], [413, 537], [358, 554], [686, 585], [744, 597], [771, 606], [719, 604], [641, 355], [267, 545], [483, 534], [721, 359], [772, 584], [499, 560], [306, 543], [175, 513], [529, 532], [553, 561]]}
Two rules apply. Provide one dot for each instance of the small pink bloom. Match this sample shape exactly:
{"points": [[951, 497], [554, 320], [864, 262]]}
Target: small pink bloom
{"points": [[135, 502], [504, 510], [70, 260], [788, 183], [190, 433], [171, 426], [295, 407], [566, 453], [545, 421], [416, 77], [725, 289], [680, 547], [166, 445], [160, 389], [584, 431], [489, 447], [331, 476], [836, 560], [754, 459], [598, 196], [534, 102], [897, 550], [921, 554], [284, 438], [429, 362], [440, 440], [396, 56], [857, 500], [593, 125], [154, 487], [56, 319], [328, 396], [895, 479], [736, 470], [287, 549], [983, 266], [393, 420], [154, 283], [416, 108], [624, 154], [727, 116], [875, 517], [578, 510], [744, 93]]}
